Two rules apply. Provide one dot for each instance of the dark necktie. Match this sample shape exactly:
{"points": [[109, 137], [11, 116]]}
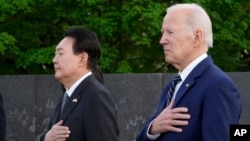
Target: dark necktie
{"points": [[65, 99], [174, 82]]}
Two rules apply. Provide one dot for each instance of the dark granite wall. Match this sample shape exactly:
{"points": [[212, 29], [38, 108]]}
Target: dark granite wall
{"points": [[30, 101]]}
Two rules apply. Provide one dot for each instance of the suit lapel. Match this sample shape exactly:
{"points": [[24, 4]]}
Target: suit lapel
{"points": [[75, 98], [190, 80], [182, 90], [56, 116]]}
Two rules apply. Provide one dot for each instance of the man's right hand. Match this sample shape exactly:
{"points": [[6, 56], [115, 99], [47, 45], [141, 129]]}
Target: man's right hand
{"points": [[58, 132], [169, 119]]}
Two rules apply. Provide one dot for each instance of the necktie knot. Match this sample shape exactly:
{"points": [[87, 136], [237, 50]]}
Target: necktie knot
{"points": [[173, 84], [177, 79]]}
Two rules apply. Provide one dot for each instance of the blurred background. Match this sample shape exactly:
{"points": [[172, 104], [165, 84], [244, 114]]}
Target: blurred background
{"points": [[129, 32]]}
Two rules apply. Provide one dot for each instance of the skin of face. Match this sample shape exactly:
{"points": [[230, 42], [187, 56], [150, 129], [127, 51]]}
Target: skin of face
{"points": [[67, 65], [177, 39]]}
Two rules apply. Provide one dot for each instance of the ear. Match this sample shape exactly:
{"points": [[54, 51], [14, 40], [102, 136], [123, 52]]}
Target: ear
{"points": [[84, 58], [198, 36]]}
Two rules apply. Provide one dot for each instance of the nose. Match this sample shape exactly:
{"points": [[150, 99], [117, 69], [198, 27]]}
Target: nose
{"points": [[163, 39], [54, 60]]}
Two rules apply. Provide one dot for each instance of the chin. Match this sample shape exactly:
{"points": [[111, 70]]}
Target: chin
{"points": [[170, 61], [57, 76], [167, 59]]}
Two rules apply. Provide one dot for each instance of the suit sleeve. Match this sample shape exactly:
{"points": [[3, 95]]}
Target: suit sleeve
{"points": [[222, 107], [2, 120], [101, 120], [143, 134]]}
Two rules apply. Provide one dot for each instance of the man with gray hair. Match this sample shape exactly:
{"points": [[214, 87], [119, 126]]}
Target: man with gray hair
{"points": [[203, 101]]}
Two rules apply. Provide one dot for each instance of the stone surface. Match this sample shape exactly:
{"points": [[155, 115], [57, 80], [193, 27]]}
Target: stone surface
{"points": [[30, 101], [19, 100], [136, 97], [47, 94]]}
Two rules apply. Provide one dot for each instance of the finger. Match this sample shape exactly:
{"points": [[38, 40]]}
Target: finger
{"points": [[171, 104], [181, 116], [59, 127], [60, 123], [64, 131], [179, 122], [61, 140], [175, 129], [180, 110], [63, 136]]}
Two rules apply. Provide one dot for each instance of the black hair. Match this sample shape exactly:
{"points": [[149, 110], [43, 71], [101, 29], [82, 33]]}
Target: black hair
{"points": [[87, 41]]}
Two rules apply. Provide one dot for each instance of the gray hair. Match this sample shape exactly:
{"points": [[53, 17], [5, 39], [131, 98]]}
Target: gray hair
{"points": [[197, 18]]}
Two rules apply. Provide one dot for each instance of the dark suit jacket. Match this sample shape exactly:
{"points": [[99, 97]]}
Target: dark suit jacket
{"points": [[213, 102], [90, 113], [2, 120]]}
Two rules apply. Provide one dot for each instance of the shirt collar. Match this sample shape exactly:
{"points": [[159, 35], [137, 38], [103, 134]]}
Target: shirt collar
{"points": [[73, 87], [191, 66]]}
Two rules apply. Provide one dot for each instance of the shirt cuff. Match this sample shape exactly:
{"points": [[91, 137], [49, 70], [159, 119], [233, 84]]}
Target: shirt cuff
{"points": [[152, 137]]}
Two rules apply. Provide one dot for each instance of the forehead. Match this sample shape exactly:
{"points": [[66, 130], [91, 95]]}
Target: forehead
{"points": [[65, 44], [175, 19]]}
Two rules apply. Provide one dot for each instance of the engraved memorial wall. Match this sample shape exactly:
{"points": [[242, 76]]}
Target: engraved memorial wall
{"points": [[30, 101]]}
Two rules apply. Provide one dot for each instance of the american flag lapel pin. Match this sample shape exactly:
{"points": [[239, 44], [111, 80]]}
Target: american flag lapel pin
{"points": [[74, 100]]}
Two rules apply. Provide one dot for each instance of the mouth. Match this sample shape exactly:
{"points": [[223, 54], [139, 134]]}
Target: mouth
{"points": [[166, 51], [165, 48], [56, 69]]}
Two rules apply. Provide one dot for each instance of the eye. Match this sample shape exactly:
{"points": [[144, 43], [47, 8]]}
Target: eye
{"points": [[170, 32], [59, 53]]}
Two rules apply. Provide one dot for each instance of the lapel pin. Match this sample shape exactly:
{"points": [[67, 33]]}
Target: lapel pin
{"points": [[187, 85], [74, 100]]}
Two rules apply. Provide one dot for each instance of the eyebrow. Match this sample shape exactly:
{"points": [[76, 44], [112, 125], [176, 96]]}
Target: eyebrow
{"points": [[59, 49]]}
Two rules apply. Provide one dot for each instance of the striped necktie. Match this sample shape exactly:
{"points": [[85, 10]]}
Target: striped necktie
{"points": [[174, 82]]}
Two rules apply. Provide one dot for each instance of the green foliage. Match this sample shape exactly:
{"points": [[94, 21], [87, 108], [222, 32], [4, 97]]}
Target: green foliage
{"points": [[7, 43], [230, 34], [35, 56], [129, 32], [231, 27]]}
